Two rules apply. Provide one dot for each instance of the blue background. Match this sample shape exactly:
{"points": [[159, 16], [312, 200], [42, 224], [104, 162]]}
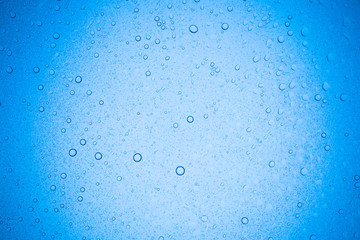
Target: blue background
{"points": [[272, 151]]}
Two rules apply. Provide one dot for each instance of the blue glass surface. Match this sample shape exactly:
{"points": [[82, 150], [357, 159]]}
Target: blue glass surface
{"points": [[186, 119]]}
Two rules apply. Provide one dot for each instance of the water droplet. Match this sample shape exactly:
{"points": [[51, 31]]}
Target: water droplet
{"points": [[256, 59], [36, 69], [245, 220], [137, 157], [331, 57], [190, 119], [9, 70], [317, 97], [304, 31], [78, 79], [325, 86], [56, 36], [313, 237], [343, 97], [282, 86], [281, 39], [303, 171], [225, 26], [83, 142], [12, 14], [193, 28], [180, 170], [148, 73], [98, 156], [271, 164], [72, 152]]}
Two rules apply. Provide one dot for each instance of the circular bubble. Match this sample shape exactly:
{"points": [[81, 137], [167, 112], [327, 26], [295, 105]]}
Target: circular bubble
{"points": [[137, 157], [304, 31], [245, 220], [147, 73], [63, 175], [52, 187], [82, 142], [312, 237], [282, 86], [175, 125], [9, 70], [98, 156], [343, 97], [36, 69], [56, 36], [72, 152], [78, 79], [190, 119], [193, 28], [137, 38], [271, 164], [303, 171], [281, 39], [225, 26], [180, 170], [317, 97], [12, 14]]}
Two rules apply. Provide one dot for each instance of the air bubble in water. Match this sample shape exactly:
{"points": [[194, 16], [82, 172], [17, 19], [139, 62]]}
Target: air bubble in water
{"points": [[137, 157], [180, 170], [193, 28]]}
